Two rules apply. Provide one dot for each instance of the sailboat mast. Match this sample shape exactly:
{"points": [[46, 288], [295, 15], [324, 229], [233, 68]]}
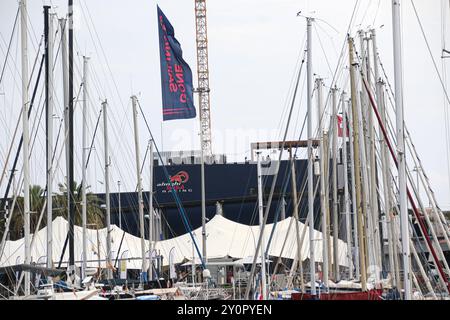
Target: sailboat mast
{"points": [[385, 169], [309, 84], [348, 223], [48, 21], [71, 186], [151, 214], [83, 166], [202, 169], [296, 218], [335, 195], [323, 202], [26, 140], [139, 187], [357, 171], [400, 133], [261, 217], [107, 195], [354, 203], [373, 170], [65, 80]]}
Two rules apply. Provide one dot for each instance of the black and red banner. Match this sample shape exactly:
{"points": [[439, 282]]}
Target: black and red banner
{"points": [[176, 76]]}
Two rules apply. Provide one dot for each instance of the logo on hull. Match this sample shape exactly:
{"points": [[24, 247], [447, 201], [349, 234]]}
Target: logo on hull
{"points": [[178, 182]]}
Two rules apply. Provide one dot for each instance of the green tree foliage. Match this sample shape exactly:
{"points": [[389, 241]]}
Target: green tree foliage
{"points": [[95, 215]]}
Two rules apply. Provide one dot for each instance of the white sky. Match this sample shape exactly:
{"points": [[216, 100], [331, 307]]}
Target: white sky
{"points": [[253, 50]]}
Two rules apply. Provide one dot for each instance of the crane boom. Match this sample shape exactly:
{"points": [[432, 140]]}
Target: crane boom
{"points": [[203, 76]]}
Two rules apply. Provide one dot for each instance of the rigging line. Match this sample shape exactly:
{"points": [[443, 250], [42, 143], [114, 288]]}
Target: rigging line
{"points": [[389, 93], [365, 13], [376, 12], [299, 109], [103, 52], [34, 133], [285, 189], [15, 73], [20, 114], [20, 143], [430, 52], [410, 198], [143, 161], [343, 50], [174, 193], [3, 200], [9, 46], [323, 50], [291, 83], [272, 189], [67, 186], [96, 82], [444, 75], [93, 138]]}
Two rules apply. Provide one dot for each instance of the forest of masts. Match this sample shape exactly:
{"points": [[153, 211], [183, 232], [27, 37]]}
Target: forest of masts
{"points": [[366, 182]]}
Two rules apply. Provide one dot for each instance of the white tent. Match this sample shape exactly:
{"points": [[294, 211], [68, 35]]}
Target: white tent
{"points": [[224, 238]]}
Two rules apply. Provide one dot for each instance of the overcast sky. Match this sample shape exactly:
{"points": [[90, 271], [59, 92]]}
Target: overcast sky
{"points": [[254, 46]]}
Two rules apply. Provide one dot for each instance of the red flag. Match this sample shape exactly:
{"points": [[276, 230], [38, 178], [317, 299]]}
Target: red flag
{"points": [[340, 127], [340, 131]]}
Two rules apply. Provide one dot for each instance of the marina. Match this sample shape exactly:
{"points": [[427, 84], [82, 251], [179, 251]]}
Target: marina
{"points": [[119, 187]]}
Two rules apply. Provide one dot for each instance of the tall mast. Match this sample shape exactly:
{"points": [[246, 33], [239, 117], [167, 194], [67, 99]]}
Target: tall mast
{"points": [[400, 133], [139, 187], [373, 170], [65, 77], [26, 138], [296, 218], [364, 143], [445, 55], [348, 223], [354, 203], [71, 186], [120, 206], [202, 174], [151, 215], [107, 196], [49, 127], [261, 217], [203, 76], [335, 195], [310, 159], [357, 171], [390, 218], [323, 202], [385, 169], [83, 166]]}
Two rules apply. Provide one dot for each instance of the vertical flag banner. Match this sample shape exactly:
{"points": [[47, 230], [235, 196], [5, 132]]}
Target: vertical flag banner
{"points": [[176, 76]]}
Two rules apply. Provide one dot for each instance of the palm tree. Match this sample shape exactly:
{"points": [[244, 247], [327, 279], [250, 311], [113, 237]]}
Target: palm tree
{"points": [[60, 208], [37, 201], [94, 213]]}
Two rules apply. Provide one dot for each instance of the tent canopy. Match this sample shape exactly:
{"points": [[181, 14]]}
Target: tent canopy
{"points": [[225, 238]]}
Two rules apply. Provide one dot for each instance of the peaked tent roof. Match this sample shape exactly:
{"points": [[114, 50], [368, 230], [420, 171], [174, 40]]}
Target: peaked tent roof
{"points": [[224, 238]]}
